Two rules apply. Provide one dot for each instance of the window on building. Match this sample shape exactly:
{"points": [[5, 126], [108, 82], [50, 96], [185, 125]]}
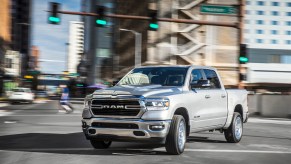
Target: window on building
{"points": [[288, 41], [286, 59], [274, 32], [247, 12], [275, 13], [8, 63], [288, 4], [288, 32], [274, 58], [260, 3], [288, 13], [260, 22], [274, 22], [247, 21], [273, 41], [248, 2], [259, 40], [288, 23], [259, 31], [275, 3], [260, 12]]}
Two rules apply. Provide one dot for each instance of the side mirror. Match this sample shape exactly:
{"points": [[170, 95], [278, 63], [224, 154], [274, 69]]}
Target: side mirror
{"points": [[201, 84], [114, 83]]}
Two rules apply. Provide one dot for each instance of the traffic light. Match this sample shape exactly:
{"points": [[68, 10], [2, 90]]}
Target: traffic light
{"points": [[54, 17], [153, 24], [243, 57], [100, 19]]}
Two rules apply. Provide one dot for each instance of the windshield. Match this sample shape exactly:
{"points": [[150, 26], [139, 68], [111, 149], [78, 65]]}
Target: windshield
{"points": [[165, 76]]}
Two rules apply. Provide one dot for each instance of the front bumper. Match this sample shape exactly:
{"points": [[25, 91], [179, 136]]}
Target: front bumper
{"points": [[142, 132]]}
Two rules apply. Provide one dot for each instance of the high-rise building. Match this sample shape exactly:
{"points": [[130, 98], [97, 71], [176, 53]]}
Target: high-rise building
{"points": [[98, 42], [20, 29], [267, 33], [5, 38], [75, 45]]}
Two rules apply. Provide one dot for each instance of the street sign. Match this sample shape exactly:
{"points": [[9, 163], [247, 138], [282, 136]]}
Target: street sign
{"points": [[218, 9]]}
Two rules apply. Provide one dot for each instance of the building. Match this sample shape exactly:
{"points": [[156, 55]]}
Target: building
{"points": [[178, 43], [75, 46], [5, 38], [12, 63], [173, 43], [20, 29], [267, 32], [34, 58], [98, 42]]}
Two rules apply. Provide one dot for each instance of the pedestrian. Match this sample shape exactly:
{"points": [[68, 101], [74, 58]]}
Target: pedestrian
{"points": [[64, 101]]}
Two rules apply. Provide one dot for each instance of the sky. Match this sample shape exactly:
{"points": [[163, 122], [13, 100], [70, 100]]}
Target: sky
{"points": [[51, 39]]}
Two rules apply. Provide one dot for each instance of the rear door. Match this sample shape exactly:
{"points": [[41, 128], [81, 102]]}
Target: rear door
{"points": [[216, 109]]}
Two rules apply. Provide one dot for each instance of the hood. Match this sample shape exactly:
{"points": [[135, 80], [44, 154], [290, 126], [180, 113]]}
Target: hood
{"points": [[138, 91]]}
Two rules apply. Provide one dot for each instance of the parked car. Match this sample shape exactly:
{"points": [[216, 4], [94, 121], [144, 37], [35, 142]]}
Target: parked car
{"points": [[21, 95], [164, 104]]}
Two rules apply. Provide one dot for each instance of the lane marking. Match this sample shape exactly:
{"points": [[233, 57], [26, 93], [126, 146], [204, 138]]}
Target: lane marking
{"points": [[5, 113], [157, 149], [45, 115], [268, 121], [239, 151], [10, 122]]}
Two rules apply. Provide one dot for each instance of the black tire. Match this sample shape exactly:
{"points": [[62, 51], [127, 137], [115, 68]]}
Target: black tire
{"points": [[230, 132], [172, 145], [97, 144]]}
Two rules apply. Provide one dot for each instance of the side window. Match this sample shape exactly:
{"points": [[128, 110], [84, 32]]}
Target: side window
{"points": [[213, 78], [195, 76]]}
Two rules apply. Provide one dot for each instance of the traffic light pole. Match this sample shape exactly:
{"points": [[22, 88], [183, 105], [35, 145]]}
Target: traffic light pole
{"points": [[240, 40], [187, 21]]}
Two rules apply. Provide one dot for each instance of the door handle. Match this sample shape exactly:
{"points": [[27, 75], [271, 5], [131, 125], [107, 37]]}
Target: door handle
{"points": [[207, 96], [223, 96]]}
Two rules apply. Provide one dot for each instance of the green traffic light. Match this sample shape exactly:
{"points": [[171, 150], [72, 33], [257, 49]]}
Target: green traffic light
{"points": [[243, 59], [79, 85], [54, 19], [101, 22], [154, 26]]}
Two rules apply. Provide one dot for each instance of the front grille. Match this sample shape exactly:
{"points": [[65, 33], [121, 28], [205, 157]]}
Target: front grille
{"points": [[115, 107], [115, 125]]}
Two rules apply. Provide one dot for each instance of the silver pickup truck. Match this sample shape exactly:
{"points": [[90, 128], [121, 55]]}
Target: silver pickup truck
{"points": [[164, 104]]}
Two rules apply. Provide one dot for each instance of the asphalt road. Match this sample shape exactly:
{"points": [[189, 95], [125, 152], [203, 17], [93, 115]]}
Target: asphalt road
{"points": [[39, 134]]}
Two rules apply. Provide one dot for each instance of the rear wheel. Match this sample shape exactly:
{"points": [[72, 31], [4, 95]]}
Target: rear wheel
{"points": [[97, 144], [234, 133], [176, 139]]}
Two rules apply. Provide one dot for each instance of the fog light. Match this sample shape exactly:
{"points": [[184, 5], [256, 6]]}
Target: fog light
{"points": [[84, 125], [157, 127]]}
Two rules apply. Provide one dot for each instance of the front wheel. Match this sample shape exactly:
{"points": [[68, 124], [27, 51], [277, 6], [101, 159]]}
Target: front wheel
{"points": [[234, 133], [176, 139], [97, 144]]}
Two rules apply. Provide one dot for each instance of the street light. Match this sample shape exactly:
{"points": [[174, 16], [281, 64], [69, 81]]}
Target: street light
{"points": [[138, 42]]}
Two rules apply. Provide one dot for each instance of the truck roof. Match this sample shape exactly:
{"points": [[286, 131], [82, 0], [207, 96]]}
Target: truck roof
{"points": [[183, 66]]}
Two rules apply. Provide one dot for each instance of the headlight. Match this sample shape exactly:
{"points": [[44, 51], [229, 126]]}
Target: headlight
{"points": [[156, 104]]}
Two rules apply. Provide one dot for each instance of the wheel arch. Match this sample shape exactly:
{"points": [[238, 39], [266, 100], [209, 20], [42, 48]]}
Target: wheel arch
{"points": [[183, 112], [238, 108]]}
